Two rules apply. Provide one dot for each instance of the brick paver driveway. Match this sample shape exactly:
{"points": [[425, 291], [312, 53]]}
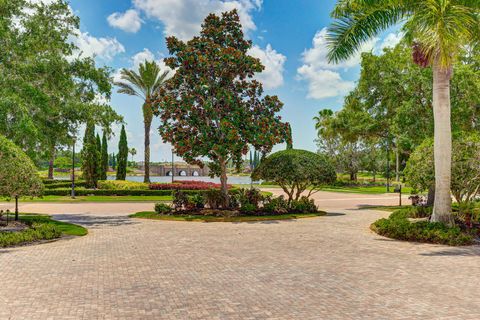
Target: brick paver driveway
{"points": [[329, 267]]}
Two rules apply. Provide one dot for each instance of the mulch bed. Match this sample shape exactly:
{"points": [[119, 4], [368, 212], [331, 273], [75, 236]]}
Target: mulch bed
{"points": [[13, 226]]}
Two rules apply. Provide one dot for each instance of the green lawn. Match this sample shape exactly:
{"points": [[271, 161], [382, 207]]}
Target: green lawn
{"points": [[202, 218], [365, 190], [95, 199]]}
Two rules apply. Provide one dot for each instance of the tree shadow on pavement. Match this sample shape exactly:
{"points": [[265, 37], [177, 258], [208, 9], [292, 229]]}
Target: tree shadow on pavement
{"points": [[91, 221], [334, 214], [472, 251]]}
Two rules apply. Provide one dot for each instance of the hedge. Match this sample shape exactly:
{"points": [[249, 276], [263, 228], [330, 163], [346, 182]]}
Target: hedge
{"points": [[103, 192], [186, 185], [63, 184]]}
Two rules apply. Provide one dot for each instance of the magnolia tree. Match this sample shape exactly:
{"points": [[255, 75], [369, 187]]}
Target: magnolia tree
{"points": [[18, 174], [295, 171], [465, 184], [213, 107]]}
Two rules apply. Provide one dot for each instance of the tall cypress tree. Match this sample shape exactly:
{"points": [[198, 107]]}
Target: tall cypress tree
{"points": [[90, 156], [104, 156], [122, 157], [290, 140]]}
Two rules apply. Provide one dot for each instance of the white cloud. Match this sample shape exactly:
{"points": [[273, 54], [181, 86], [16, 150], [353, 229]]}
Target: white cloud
{"points": [[103, 48], [324, 83], [142, 56], [183, 18], [129, 21], [272, 76], [324, 79], [391, 40]]}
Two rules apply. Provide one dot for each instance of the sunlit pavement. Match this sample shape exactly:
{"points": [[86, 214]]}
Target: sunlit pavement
{"points": [[329, 267]]}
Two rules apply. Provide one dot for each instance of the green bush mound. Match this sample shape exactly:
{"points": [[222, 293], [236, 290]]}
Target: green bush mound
{"points": [[397, 226]]}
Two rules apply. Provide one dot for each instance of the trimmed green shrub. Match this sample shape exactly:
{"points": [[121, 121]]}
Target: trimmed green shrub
{"points": [[18, 174], [162, 208], [248, 208], [198, 200], [121, 185], [296, 171], [278, 205], [180, 200], [303, 205], [397, 226], [247, 197]]}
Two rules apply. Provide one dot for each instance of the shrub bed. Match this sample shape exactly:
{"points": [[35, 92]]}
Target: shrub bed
{"points": [[185, 185], [242, 202], [35, 232], [397, 226]]}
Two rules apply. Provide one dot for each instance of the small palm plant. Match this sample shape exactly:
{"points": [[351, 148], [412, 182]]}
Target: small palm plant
{"points": [[144, 84], [437, 31]]}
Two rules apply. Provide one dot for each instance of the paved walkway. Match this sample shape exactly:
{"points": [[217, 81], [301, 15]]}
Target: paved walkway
{"points": [[330, 267]]}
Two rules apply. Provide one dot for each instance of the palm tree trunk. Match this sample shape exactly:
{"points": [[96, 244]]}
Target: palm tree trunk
{"points": [[147, 120], [442, 210]]}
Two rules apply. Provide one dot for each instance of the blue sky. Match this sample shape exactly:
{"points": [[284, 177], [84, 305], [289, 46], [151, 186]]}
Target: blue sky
{"points": [[288, 37]]}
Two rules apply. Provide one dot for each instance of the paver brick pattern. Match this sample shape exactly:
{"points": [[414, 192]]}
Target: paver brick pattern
{"points": [[330, 267]]}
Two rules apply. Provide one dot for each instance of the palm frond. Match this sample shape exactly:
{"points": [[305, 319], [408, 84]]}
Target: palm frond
{"points": [[357, 21], [125, 88], [160, 81], [443, 27]]}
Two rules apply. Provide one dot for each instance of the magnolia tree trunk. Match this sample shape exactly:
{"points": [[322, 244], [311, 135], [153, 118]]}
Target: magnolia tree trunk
{"points": [[223, 181], [442, 209], [147, 120], [51, 163]]}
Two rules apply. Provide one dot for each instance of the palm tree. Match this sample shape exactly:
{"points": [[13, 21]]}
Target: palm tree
{"points": [[132, 152], [437, 31], [144, 84]]}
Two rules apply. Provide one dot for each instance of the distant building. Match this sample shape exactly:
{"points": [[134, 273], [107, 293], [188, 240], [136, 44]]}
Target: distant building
{"points": [[180, 169]]}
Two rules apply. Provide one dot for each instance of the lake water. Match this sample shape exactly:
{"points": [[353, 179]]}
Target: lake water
{"points": [[231, 179]]}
